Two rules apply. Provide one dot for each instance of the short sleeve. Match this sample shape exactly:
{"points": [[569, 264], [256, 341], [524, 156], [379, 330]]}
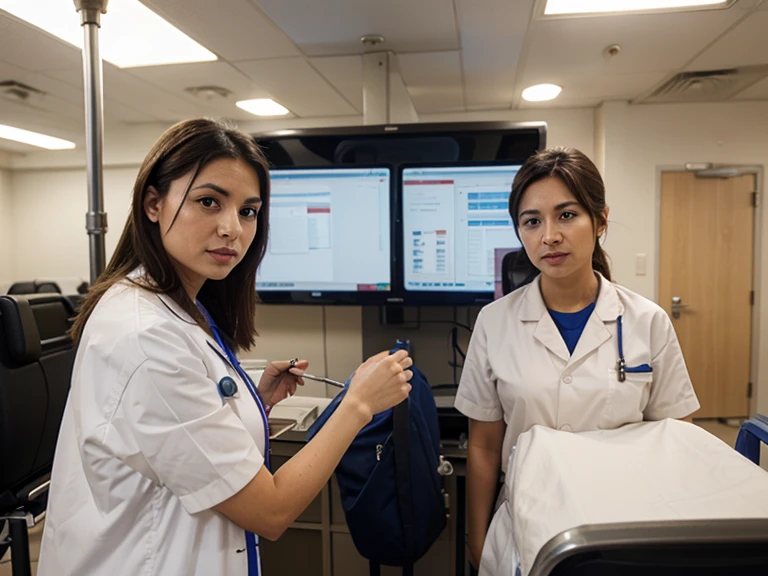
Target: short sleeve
{"points": [[195, 444], [672, 394], [477, 397]]}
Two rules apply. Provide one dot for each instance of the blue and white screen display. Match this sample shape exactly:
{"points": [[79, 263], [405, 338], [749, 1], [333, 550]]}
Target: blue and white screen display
{"points": [[329, 230], [454, 220]]}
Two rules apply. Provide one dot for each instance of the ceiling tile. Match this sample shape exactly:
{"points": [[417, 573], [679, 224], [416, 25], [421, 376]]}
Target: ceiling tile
{"points": [[176, 79], [346, 74], [605, 87], [649, 42], [433, 81], [45, 122], [134, 93], [492, 39], [30, 48], [297, 86], [757, 91], [334, 27], [561, 102], [746, 44], [235, 30], [52, 88]]}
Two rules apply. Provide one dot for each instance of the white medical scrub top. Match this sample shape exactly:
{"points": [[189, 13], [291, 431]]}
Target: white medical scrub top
{"points": [[147, 447], [518, 367]]}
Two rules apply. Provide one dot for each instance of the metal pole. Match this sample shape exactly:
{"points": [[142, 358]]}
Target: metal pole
{"points": [[96, 218]]}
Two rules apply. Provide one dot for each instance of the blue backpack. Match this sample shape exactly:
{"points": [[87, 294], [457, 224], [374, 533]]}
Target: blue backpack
{"points": [[391, 490]]}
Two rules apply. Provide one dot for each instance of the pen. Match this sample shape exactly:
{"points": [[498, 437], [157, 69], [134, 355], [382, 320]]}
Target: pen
{"points": [[321, 379]]}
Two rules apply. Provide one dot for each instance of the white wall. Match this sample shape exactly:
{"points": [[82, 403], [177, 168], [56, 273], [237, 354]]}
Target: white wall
{"points": [[639, 140], [6, 235], [49, 219]]}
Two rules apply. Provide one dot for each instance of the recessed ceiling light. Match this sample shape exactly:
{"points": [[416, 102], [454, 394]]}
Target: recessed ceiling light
{"points": [[131, 34], [596, 6], [541, 92], [263, 107], [34, 139]]}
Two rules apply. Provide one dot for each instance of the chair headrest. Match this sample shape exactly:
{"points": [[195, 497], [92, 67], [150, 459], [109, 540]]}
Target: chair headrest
{"points": [[34, 325], [20, 329], [35, 287], [46, 287], [22, 288]]}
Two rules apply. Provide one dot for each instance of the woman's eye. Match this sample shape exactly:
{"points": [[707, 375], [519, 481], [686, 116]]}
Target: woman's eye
{"points": [[532, 222], [249, 212], [568, 215], [207, 202]]}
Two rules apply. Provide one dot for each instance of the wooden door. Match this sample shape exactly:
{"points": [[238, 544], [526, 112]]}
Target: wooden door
{"points": [[706, 259]]}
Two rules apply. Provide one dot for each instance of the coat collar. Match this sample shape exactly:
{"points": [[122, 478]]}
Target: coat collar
{"points": [[607, 309], [140, 277]]}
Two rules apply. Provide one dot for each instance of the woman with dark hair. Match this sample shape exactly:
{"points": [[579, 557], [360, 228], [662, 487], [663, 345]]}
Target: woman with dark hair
{"points": [[570, 350], [162, 462]]}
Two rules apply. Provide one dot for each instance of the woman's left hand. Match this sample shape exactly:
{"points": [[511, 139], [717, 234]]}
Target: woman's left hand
{"points": [[280, 380]]}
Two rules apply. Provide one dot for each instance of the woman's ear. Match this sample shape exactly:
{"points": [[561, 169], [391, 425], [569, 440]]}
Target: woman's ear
{"points": [[604, 224], [152, 204]]}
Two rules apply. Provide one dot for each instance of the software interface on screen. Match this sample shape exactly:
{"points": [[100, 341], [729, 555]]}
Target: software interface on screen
{"points": [[454, 219], [328, 231]]}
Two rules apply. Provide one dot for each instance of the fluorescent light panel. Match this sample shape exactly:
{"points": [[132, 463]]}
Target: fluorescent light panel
{"points": [[131, 34], [541, 92], [34, 139], [263, 107], [595, 6]]}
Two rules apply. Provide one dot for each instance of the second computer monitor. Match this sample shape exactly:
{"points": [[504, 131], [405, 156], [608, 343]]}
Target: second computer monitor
{"points": [[455, 221]]}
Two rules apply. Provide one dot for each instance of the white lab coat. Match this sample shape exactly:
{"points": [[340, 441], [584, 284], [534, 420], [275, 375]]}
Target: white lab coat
{"points": [[147, 447], [518, 368]]}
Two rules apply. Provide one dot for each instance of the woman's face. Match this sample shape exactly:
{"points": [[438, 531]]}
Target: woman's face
{"points": [[216, 223], [556, 231]]}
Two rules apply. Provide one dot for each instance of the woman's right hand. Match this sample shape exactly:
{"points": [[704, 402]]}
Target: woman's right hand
{"points": [[381, 382]]}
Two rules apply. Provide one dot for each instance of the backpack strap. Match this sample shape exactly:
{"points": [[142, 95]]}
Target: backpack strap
{"points": [[403, 479]]}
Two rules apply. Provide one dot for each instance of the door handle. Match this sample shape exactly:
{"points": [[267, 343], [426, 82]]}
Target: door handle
{"points": [[677, 306]]}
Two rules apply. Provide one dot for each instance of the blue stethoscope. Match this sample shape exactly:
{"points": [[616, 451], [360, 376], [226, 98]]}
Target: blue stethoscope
{"points": [[621, 366], [227, 389]]}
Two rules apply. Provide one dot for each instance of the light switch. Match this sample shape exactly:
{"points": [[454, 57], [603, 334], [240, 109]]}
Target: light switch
{"points": [[640, 264]]}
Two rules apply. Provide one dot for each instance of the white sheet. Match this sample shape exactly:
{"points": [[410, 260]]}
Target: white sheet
{"points": [[664, 470]]}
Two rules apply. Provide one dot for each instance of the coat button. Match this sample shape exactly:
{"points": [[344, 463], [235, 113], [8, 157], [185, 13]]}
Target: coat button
{"points": [[566, 428], [568, 379]]}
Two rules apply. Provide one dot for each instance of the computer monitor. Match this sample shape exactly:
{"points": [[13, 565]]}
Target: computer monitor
{"points": [[329, 237], [454, 221]]}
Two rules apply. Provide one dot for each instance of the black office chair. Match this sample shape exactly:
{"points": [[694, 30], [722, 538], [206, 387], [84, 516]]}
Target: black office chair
{"points": [[516, 271], [36, 358], [679, 548], [34, 287]]}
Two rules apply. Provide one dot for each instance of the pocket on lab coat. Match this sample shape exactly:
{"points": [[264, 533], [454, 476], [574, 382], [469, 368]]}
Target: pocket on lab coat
{"points": [[626, 400]]}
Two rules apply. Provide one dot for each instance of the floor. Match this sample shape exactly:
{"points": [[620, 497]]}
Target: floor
{"points": [[34, 552], [726, 431]]}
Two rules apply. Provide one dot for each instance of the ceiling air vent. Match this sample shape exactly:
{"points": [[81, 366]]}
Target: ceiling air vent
{"points": [[707, 85], [21, 93]]}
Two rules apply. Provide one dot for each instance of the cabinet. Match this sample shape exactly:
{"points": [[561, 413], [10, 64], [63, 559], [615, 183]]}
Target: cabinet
{"points": [[319, 544]]}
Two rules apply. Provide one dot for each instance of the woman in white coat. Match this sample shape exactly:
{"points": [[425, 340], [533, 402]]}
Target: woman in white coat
{"points": [[161, 466], [570, 350]]}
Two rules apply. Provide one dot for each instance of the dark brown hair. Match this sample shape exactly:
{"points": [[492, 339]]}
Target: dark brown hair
{"points": [[185, 149], [581, 177]]}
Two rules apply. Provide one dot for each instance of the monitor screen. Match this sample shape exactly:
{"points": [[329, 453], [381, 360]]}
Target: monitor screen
{"points": [[329, 232], [454, 223]]}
